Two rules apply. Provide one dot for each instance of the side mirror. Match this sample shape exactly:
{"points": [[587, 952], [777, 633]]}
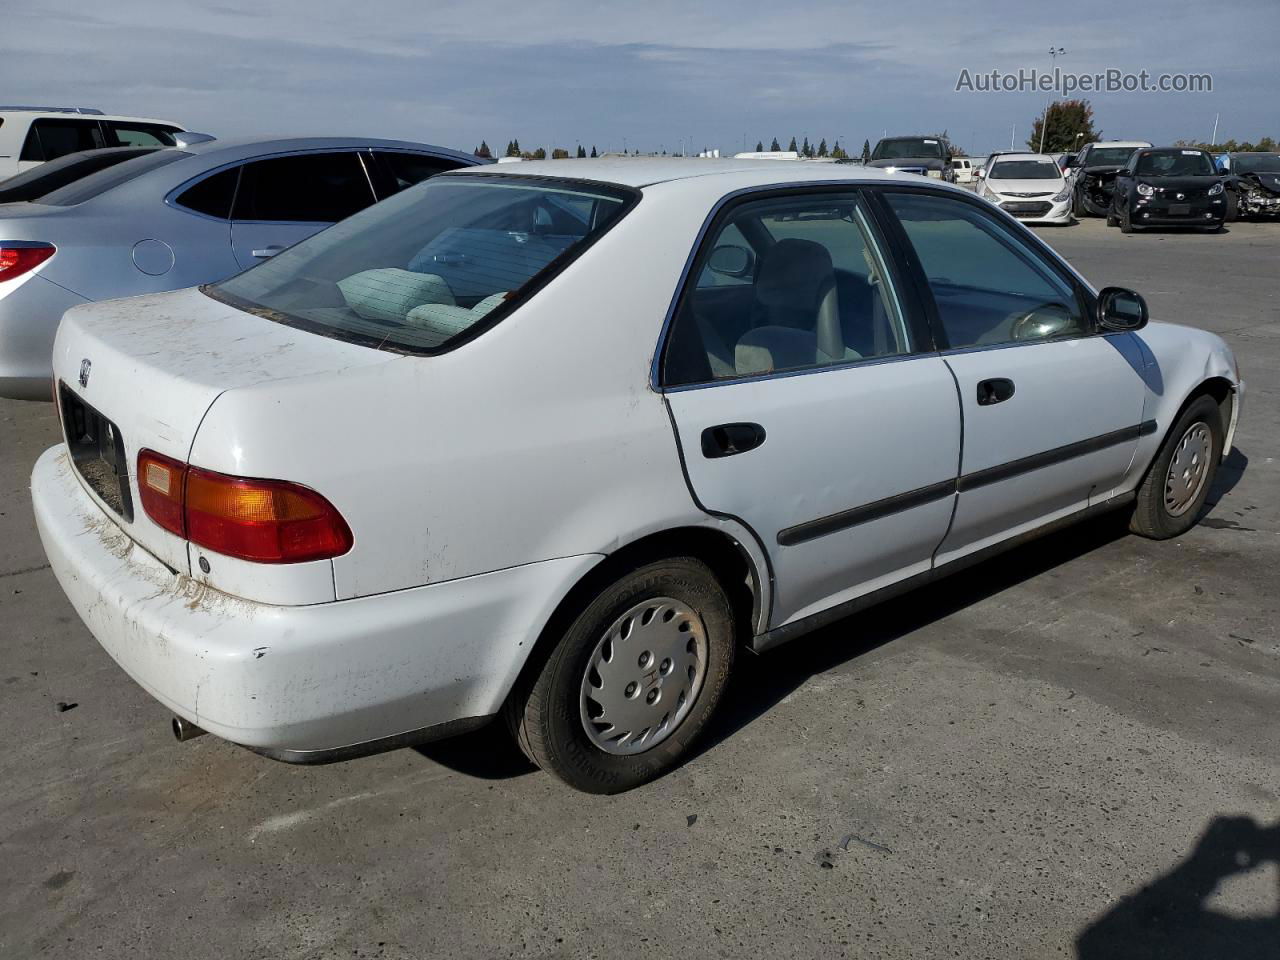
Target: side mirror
{"points": [[731, 260], [1121, 310]]}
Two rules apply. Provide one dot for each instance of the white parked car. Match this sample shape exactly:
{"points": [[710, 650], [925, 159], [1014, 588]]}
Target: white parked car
{"points": [[30, 136], [1030, 186], [553, 443], [965, 169]]}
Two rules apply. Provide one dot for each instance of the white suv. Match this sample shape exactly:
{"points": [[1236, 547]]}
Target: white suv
{"points": [[32, 135]]}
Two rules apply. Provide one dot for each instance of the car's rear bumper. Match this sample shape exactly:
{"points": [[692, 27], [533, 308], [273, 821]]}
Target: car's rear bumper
{"points": [[295, 682]]}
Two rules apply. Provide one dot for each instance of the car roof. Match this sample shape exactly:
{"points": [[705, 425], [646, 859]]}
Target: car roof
{"points": [[648, 171], [237, 148], [1024, 156], [82, 114], [1118, 143]]}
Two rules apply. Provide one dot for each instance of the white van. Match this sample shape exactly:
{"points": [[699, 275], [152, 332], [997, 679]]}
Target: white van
{"points": [[964, 168]]}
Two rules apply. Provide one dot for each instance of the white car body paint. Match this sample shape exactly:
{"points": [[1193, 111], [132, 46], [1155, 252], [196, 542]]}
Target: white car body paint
{"points": [[483, 484], [1002, 190]]}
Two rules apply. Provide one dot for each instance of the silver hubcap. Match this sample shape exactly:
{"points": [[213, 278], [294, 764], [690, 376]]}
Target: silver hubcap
{"points": [[1188, 469], [644, 676]]}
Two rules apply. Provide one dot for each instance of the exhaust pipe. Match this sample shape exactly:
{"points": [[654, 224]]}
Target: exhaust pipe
{"points": [[184, 730]]}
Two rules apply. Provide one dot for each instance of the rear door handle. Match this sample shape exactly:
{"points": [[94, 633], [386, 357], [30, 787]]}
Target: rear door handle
{"points": [[729, 438], [995, 390], [263, 252]]}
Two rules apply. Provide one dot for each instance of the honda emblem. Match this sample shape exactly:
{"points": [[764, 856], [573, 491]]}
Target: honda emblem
{"points": [[85, 367]]}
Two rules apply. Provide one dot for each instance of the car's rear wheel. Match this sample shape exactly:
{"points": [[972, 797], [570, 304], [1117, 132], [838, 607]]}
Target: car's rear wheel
{"points": [[633, 680], [1174, 491]]}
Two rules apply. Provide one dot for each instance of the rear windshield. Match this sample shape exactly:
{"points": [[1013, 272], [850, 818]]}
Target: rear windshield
{"points": [[99, 183], [1026, 170], [432, 266], [900, 148], [1175, 163], [1108, 156], [56, 174]]}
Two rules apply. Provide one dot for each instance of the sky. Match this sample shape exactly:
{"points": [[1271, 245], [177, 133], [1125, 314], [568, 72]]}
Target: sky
{"points": [[646, 75]]}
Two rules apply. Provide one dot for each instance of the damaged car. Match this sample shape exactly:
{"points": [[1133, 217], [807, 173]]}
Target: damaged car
{"points": [[1253, 185], [550, 445], [923, 156], [1168, 187], [1095, 168]]}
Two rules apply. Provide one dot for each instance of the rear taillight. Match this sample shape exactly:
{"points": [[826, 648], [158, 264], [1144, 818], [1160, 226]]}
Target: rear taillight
{"points": [[160, 481], [19, 258], [266, 521]]}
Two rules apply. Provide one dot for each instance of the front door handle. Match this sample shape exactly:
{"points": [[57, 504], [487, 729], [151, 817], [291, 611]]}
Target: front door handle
{"points": [[995, 390], [263, 252], [729, 438]]}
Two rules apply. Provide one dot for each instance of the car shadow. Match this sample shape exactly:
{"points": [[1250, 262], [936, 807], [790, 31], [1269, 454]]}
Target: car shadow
{"points": [[761, 682], [1168, 918]]}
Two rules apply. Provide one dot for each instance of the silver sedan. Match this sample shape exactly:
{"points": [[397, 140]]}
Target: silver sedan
{"points": [[179, 217]]}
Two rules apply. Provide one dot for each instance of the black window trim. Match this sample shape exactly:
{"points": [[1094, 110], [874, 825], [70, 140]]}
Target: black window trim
{"points": [[630, 197], [1085, 297], [913, 317]]}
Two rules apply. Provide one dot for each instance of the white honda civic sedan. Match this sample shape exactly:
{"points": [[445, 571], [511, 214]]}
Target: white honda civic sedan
{"points": [[556, 444]]}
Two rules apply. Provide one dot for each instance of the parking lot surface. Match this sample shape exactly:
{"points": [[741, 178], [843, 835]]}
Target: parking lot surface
{"points": [[1050, 755]]}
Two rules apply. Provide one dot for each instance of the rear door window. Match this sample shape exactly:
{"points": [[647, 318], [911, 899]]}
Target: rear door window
{"points": [[305, 188], [402, 170], [140, 134], [50, 138]]}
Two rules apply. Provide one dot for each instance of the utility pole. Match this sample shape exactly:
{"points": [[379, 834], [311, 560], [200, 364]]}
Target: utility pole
{"points": [[1213, 140], [1054, 52]]}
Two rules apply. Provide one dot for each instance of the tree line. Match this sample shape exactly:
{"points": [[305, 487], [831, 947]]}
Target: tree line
{"points": [[1067, 125], [805, 149]]}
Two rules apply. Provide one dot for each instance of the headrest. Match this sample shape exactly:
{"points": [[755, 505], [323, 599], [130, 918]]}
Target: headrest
{"points": [[389, 293], [793, 273]]}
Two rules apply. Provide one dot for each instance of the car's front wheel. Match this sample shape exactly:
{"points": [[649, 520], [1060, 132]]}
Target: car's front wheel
{"points": [[1177, 485], [633, 680]]}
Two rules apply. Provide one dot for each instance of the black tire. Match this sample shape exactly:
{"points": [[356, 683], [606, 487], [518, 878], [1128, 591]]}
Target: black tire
{"points": [[545, 712], [1112, 219], [1077, 205], [1152, 516], [1126, 222], [1232, 207]]}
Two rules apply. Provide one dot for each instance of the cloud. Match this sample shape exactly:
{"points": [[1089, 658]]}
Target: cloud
{"points": [[716, 73]]}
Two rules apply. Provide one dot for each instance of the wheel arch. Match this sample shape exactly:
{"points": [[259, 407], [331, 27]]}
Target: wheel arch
{"points": [[734, 563]]}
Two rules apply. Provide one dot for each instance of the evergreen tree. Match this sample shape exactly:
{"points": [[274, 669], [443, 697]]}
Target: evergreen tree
{"points": [[774, 146], [866, 150], [759, 146], [822, 147], [1067, 125], [559, 153], [581, 152], [593, 151], [806, 150], [483, 150], [513, 148], [837, 151], [793, 148]]}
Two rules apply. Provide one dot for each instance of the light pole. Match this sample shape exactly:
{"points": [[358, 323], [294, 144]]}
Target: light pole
{"points": [[1054, 53]]}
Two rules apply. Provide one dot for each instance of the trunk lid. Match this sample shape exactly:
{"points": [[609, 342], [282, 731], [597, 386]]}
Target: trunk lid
{"points": [[141, 373]]}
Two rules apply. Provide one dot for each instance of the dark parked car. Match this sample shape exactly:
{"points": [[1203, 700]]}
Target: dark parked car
{"points": [[1095, 169], [927, 156], [48, 177], [1168, 187], [1253, 185]]}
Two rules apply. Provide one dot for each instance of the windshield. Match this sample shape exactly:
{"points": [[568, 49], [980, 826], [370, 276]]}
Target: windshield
{"points": [[903, 147], [1108, 156], [1025, 170], [1175, 163], [426, 266], [99, 183], [1256, 163]]}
